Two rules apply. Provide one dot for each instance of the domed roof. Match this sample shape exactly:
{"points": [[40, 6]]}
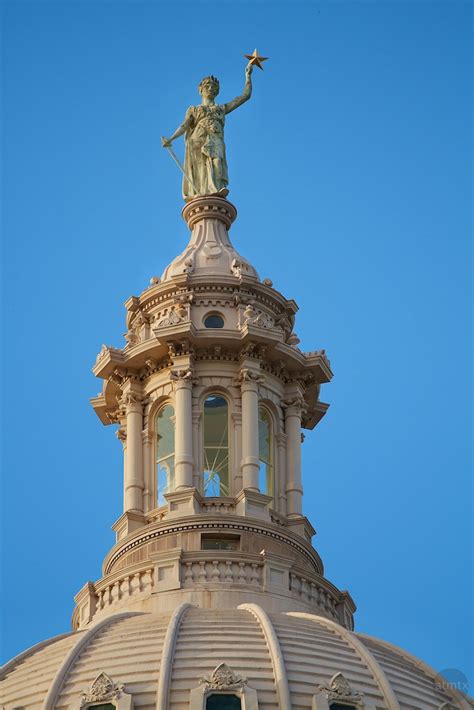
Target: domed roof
{"points": [[286, 660]]}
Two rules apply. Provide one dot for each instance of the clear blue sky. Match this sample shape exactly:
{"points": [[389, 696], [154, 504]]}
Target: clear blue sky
{"points": [[350, 169]]}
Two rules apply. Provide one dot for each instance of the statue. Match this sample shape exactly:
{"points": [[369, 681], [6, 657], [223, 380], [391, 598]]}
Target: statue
{"points": [[205, 165]]}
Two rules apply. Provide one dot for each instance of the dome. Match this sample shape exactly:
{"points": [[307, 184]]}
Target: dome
{"points": [[278, 660]]}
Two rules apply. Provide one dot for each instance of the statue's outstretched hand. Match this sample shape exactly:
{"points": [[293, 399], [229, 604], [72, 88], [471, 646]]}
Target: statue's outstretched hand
{"points": [[165, 142]]}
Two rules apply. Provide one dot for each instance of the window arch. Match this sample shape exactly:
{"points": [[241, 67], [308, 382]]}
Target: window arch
{"points": [[216, 446], [164, 452], [265, 452]]}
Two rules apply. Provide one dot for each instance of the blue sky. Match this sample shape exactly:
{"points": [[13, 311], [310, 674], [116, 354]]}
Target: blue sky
{"points": [[350, 168]]}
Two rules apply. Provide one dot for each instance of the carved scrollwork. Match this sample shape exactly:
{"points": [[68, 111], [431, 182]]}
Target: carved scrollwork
{"points": [[253, 316], [248, 375], [297, 402], [339, 688], [172, 317], [103, 688], [223, 678], [180, 375]]}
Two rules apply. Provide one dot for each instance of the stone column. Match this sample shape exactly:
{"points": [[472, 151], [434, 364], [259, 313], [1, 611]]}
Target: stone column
{"points": [[183, 441], [250, 464], [134, 481], [148, 469], [294, 489], [280, 479]]}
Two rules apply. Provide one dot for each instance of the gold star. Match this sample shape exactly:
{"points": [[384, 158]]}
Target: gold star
{"points": [[256, 59]]}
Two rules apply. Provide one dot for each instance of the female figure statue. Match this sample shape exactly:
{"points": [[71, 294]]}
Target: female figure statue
{"points": [[203, 127]]}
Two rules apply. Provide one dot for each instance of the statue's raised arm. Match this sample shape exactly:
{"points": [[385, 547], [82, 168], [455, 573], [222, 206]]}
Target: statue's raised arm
{"points": [[205, 163], [246, 93]]}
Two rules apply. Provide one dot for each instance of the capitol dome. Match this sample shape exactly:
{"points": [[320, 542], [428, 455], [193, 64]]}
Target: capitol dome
{"points": [[213, 596], [179, 659]]}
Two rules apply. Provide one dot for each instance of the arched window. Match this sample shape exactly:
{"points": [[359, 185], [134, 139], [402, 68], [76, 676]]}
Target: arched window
{"points": [[164, 452], [214, 320], [265, 451], [216, 446], [223, 702]]}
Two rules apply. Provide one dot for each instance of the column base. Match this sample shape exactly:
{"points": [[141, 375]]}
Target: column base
{"points": [[301, 526], [127, 523], [253, 504], [186, 501]]}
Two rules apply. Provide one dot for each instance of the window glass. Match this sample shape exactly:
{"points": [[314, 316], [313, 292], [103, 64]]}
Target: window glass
{"points": [[214, 321], [265, 451], [103, 706], [216, 446], [212, 542], [223, 702], [341, 706], [164, 428]]}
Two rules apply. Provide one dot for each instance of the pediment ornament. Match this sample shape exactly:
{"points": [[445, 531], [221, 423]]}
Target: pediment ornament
{"points": [[339, 688], [103, 688], [223, 678]]}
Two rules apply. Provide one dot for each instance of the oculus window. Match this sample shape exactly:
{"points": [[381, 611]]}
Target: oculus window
{"points": [[216, 446], [265, 451], [164, 452], [223, 702], [214, 320]]}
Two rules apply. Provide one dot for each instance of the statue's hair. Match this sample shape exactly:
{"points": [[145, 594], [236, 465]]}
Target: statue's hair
{"points": [[213, 79]]}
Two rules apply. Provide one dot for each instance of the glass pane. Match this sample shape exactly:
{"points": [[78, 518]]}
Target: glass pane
{"points": [[220, 543], [265, 449], [164, 428], [216, 447], [340, 706], [214, 321], [223, 702], [103, 706]]}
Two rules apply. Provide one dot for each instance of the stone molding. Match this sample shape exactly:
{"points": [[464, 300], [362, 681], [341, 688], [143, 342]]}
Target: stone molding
{"points": [[340, 691], [104, 690], [223, 681], [229, 523]]}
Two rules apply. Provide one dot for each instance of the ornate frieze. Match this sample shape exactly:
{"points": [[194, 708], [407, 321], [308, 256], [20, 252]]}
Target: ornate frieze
{"points": [[339, 689], [223, 678], [102, 689]]}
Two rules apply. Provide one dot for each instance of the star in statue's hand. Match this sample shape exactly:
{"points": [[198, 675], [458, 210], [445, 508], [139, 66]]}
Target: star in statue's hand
{"points": [[255, 59]]}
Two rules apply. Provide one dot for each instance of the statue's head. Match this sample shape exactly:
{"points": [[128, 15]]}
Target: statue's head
{"points": [[209, 87]]}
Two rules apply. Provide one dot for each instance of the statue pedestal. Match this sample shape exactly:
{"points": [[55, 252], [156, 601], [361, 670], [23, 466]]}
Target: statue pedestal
{"points": [[210, 251]]}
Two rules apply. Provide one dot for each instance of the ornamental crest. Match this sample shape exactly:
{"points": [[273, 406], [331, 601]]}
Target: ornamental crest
{"points": [[223, 678], [340, 689], [103, 688]]}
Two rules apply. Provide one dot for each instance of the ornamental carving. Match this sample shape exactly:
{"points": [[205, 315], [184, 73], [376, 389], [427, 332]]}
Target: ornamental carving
{"points": [[103, 688], [296, 402], [247, 375], [186, 374], [172, 317], [340, 689], [223, 678], [252, 316]]}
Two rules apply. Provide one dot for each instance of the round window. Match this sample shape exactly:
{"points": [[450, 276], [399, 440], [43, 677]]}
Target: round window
{"points": [[214, 321]]}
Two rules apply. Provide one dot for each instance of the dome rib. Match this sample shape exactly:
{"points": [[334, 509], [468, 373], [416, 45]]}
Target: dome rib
{"points": [[86, 637], [273, 644], [363, 652], [421, 665], [167, 655]]}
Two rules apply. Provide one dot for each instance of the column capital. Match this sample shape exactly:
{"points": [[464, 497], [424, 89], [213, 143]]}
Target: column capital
{"points": [[294, 405], [249, 379], [133, 402], [182, 378]]}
